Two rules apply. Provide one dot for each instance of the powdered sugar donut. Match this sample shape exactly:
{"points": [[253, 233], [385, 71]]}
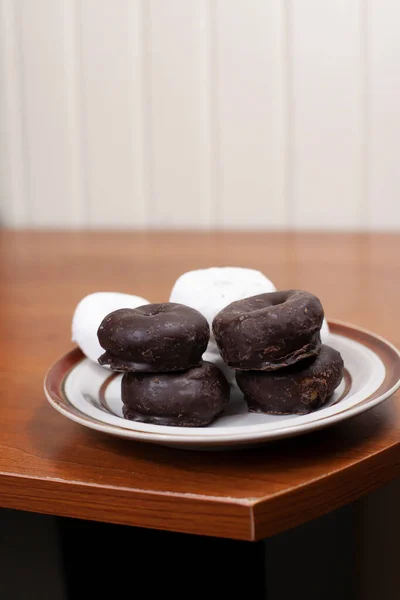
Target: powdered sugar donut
{"points": [[90, 312], [210, 290]]}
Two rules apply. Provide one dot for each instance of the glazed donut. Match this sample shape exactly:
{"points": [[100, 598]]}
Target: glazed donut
{"points": [[154, 337], [192, 398], [299, 389], [210, 290], [269, 331]]}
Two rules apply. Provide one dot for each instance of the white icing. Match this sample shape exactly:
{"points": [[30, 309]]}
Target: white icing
{"points": [[210, 290], [90, 312]]}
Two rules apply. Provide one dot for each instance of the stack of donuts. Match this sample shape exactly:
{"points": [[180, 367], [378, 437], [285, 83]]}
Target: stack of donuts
{"points": [[159, 348], [273, 342], [223, 328]]}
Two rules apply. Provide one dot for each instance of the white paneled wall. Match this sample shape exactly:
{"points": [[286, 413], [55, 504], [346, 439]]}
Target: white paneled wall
{"points": [[249, 82], [200, 113], [177, 70], [383, 144], [327, 108]]}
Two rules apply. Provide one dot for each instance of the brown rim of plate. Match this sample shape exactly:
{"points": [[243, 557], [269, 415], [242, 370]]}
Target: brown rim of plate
{"points": [[56, 376], [388, 354], [103, 389]]}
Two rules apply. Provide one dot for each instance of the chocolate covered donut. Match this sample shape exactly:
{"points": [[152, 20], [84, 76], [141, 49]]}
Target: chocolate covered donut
{"points": [[154, 337], [298, 389], [193, 398], [269, 331]]}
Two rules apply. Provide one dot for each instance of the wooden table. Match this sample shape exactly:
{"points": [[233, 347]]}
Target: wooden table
{"points": [[50, 465]]}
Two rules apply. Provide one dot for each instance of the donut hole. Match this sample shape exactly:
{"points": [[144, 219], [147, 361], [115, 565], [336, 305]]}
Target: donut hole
{"points": [[153, 310], [258, 304], [281, 298], [274, 299], [279, 301]]}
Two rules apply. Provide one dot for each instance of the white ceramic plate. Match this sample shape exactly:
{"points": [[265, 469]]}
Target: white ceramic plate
{"points": [[90, 395]]}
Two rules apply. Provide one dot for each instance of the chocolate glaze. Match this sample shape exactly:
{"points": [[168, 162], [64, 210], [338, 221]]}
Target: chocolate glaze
{"points": [[192, 398], [269, 331], [154, 337], [299, 389]]}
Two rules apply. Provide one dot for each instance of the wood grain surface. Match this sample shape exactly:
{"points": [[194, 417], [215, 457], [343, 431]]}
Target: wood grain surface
{"points": [[49, 464]]}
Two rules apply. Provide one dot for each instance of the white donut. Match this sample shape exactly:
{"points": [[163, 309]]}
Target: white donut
{"points": [[90, 312], [210, 290]]}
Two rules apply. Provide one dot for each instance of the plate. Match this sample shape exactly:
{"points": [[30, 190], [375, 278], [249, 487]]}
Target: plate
{"points": [[90, 395]]}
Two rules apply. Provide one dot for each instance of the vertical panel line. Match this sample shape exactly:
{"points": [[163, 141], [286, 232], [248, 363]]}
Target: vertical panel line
{"points": [[147, 137], [139, 213], [288, 112], [207, 151], [14, 208], [77, 198], [82, 110], [215, 134], [23, 119], [365, 204]]}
